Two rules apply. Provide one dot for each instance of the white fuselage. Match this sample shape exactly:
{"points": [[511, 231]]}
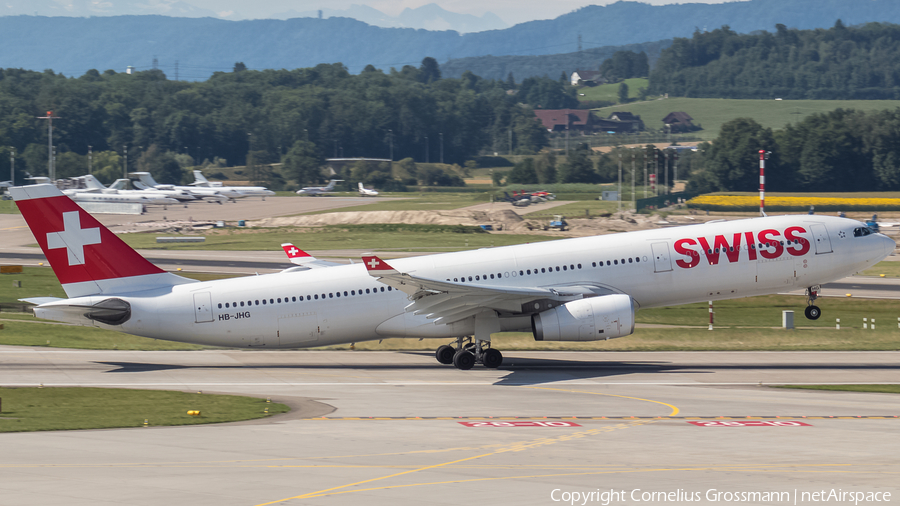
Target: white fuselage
{"points": [[345, 303]]}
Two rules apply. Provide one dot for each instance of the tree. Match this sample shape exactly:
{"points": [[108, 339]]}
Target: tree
{"points": [[429, 71], [623, 93], [523, 173], [302, 163], [578, 167], [239, 67], [545, 168], [161, 165], [733, 162]]}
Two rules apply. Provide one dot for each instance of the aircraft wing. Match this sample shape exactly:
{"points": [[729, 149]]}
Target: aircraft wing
{"points": [[447, 302]]}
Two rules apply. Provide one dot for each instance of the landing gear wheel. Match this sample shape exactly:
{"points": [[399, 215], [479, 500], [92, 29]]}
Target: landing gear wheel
{"points": [[444, 354], [813, 312], [464, 360], [492, 358]]}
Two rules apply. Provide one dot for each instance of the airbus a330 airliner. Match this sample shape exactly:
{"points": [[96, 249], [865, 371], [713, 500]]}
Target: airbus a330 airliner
{"points": [[583, 289]]}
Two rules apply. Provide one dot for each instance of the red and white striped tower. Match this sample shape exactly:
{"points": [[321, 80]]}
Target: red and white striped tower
{"points": [[762, 182]]}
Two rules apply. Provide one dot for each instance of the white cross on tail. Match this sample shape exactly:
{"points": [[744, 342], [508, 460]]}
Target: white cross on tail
{"points": [[73, 237]]}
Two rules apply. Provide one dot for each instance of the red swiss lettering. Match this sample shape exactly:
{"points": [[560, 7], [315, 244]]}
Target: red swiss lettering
{"points": [[732, 251], [801, 245], [682, 249], [751, 246], [770, 236]]}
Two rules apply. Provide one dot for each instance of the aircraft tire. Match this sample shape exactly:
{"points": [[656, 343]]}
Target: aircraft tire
{"points": [[444, 354], [492, 358], [464, 360], [813, 312]]}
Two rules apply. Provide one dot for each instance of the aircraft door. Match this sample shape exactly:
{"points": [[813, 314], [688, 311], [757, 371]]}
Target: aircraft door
{"points": [[203, 307], [662, 262], [822, 241]]}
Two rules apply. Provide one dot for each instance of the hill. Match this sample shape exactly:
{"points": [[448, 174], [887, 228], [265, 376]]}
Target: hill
{"points": [[204, 45]]}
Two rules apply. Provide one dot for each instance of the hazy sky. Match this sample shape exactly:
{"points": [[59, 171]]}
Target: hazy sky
{"points": [[511, 11]]}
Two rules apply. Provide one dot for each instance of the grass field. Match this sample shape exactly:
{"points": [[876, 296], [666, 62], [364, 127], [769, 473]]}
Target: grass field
{"points": [[712, 113], [8, 207], [610, 92], [33, 409], [421, 201], [369, 237]]}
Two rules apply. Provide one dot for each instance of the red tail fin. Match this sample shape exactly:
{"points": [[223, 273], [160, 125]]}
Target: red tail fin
{"points": [[86, 257]]}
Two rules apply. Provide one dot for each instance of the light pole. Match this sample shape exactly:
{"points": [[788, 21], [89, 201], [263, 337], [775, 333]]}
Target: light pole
{"points": [[12, 165], [125, 174], [90, 160], [620, 182], [50, 165], [391, 137]]}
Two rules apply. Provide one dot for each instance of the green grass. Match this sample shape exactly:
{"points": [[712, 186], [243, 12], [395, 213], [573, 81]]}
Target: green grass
{"points": [[712, 113], [884, 389], [34, 409], [575, 210], [610, 92], [400, 238], [8, 207], [420, 201]]}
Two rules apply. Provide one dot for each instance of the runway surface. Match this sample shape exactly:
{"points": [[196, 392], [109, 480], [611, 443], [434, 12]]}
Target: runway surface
{"points": [[398, 428]]}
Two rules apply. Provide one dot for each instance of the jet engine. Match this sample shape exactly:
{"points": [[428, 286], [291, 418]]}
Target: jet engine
{"points": [[592, 319]]}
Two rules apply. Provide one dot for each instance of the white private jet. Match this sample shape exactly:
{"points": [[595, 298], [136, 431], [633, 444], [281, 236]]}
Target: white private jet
{"points": [[581, 289], [365, 192], [5, 184], [218, 195], [95, 195], [260, 191], [119, 188], [318, 190]]}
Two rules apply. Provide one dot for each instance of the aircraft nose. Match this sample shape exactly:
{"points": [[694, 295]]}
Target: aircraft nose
{"points": [[889, 245]]}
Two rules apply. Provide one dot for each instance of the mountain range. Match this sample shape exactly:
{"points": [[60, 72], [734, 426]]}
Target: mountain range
{"points": [[203, 45], [426, 17]]}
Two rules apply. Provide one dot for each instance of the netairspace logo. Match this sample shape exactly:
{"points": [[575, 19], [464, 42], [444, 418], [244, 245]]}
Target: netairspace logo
{"points": [[712, 495]]}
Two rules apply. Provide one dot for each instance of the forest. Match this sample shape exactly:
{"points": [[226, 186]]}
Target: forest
{"points": [[310, 113], [855, 62], [842, 150]]}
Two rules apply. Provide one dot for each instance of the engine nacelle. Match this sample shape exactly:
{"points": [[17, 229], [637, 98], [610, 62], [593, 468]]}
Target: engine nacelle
{"points": [[593, 319]]}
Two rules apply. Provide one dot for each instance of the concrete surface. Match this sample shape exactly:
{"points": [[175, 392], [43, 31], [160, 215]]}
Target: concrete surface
{"points": [[362, 442]]}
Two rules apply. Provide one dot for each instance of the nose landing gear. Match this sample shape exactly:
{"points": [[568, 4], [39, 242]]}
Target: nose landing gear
{"points": [[812, 311]]}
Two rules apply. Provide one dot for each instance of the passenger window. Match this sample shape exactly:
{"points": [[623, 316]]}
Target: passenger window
{"points": [[242, 303], [367, 290], [564, 268], [308, 297], [279, 300], [529, 272], [607, 262], [593, 264], [317, 296], [470, 278], [629, 260], [492, 276], [455, 280], [579, 266], [382, 288], [521, 273], [226, 305], [571, 267], [557, 268], [257, 303], [220, 305], [339, 295], [477, 278], [616, 262], [389, 288], [264, 302], [352, 292], [637, 259], [294, 299], [543, 270], [331, 295]]}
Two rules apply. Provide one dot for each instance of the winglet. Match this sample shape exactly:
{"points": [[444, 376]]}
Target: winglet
{"points": [[377, 267], [296, 255]]}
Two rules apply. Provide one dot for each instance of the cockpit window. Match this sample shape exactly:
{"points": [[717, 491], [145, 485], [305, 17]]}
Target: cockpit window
{"points": [[861, 231]]}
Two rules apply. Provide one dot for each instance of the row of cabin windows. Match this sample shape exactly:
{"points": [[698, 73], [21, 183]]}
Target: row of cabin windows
{"points": [[499, 275], [752, 246], [331, 295], [617, 262]]}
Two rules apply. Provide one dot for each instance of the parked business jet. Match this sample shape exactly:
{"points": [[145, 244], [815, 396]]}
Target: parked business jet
{"points": [[318, 190], [219, 195], [119, 187], [95, 195], [365, 192], [581, 289], [259, 191]]}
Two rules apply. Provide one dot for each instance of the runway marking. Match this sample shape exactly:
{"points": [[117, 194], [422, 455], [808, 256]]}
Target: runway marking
{"points": [[515, 447], [673, 413], [585, 418]]}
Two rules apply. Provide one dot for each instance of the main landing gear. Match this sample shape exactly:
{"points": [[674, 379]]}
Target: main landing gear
{"points": [[812, 311], [466, 354]]}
